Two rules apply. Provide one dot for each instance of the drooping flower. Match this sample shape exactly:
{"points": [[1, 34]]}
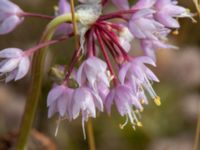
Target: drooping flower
{"points": [[167, 11], [139, 76], [58, 100], [143, 25], [93, 70], [126, 103], [9, 16], [85, 101], [15, 64]]}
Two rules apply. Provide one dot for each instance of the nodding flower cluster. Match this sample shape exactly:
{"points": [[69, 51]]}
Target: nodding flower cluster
{"points": [[97, 82]]}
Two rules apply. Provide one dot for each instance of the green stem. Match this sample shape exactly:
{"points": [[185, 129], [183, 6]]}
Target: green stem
{"points": [[90, 134], [36, 81]]}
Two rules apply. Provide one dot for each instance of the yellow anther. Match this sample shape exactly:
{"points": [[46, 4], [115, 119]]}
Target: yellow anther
{"points": [[139, 124], [157, 101], [121, 126], [176, 32], [56, 8], [142, 101]]}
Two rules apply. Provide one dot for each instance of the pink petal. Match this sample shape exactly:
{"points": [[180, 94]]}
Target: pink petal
{"points": [[52, 110], [81, 78], [54, 94], [109, 101], [123, 72], [98, 101], [11, 76], [9, 24], [23, 68], [146, 60], [64, 6], [10, 53], [121, 4], [62, 105], [10, 65]]}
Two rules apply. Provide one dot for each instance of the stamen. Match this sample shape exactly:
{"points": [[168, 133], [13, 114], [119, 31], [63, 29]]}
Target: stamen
{"points": [[139, 124], [190, 15], [124, 124], [83, 128], [176, 32], [57, 126], [157, 101], [142, 101], [149, 88], [110, 76], [130, 114], [138, 114], [133, 126]]}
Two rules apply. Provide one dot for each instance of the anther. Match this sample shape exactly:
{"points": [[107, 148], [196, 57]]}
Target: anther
{"points": [[157, 101]]}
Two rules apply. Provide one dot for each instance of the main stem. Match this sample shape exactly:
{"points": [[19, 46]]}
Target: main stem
{"points": [[36, 81]]}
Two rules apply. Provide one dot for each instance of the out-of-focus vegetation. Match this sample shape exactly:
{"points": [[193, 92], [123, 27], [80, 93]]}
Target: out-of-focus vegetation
{"points": [[168, 127]]}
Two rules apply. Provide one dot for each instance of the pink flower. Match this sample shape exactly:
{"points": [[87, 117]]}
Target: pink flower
{"points": [[15, 64], [9, 16], [84, 102], [93, 70], [126, 103], [167, 11], [58, 100], [139, 77], [143, 25]]}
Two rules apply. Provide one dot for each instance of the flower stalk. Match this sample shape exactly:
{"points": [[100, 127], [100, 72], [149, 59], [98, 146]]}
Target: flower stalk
{"points": [[35, 15], [36, 81], [90, 134]]}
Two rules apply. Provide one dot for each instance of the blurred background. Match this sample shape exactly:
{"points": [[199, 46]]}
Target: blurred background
{"points": [[168, 127]]}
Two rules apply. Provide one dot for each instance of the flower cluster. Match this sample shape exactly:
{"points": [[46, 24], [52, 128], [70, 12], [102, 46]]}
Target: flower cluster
{"points": [[97, 82]]}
